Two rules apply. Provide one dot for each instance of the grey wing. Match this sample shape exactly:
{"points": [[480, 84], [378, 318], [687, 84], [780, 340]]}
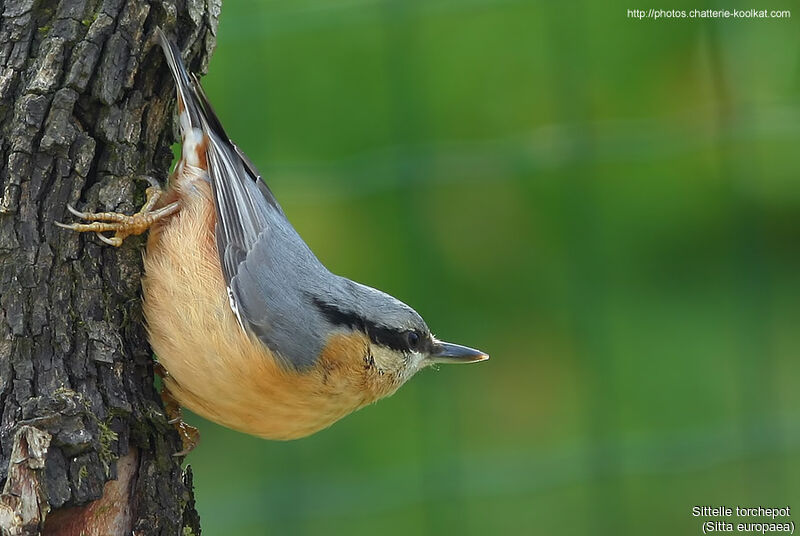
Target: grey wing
{"points": [[261, 256], [241, 206]]}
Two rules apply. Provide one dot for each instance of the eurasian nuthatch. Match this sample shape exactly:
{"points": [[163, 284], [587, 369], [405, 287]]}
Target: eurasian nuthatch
{"points": [[254, 332]]}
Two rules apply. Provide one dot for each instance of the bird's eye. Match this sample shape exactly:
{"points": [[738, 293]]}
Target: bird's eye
{"points": [[413, 339]]}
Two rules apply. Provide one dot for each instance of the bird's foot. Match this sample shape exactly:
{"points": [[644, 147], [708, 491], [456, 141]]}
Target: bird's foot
{"points": [[190, 436], [123, 225]]}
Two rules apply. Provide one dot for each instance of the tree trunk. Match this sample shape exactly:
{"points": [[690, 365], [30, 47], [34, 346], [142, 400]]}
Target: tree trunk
{"points": [[85, 112]]}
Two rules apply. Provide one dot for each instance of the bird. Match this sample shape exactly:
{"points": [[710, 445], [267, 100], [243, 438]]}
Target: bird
{"points": [[250, 329]]}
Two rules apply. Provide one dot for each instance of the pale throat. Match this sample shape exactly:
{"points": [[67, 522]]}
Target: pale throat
{"points": [[403, 366]]}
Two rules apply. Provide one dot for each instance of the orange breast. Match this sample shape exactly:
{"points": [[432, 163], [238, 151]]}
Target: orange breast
{"points": [[216, 369]]}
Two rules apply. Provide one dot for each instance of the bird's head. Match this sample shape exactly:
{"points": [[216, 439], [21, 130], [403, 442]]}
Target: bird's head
{"points": [[399, 341]]}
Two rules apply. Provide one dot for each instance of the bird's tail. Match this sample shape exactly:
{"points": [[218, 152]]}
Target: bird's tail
{"points": [[188, 108], [195, 113]]}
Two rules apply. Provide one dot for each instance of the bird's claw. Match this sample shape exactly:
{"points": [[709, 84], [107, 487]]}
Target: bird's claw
{"points": [[190, 436], [122, 225]]}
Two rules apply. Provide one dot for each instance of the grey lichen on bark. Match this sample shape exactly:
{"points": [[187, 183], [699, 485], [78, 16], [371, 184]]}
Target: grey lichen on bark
{"points": [[85, 112]]}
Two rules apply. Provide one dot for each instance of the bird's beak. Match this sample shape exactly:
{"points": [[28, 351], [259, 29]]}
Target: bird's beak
{"points": [[445, 352]]}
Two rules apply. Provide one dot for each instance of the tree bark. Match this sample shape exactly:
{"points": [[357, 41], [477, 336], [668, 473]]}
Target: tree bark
{"points": [[85, 111]]}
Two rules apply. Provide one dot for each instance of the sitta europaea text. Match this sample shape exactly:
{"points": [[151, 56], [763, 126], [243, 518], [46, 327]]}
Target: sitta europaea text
{"points": [[253, 331]]}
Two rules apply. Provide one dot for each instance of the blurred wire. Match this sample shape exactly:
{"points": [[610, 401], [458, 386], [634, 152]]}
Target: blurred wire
{"points": [[543, 148]]}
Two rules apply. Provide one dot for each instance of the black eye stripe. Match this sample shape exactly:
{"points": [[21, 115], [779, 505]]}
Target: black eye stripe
{"points": [[388, 337], [338, 317]]}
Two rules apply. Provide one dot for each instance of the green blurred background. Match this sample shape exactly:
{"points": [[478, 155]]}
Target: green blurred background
{"points": [[608, 206]]}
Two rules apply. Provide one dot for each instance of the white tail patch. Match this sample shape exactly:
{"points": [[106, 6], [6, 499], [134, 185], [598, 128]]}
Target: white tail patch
{"points": [[192, 142]]}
